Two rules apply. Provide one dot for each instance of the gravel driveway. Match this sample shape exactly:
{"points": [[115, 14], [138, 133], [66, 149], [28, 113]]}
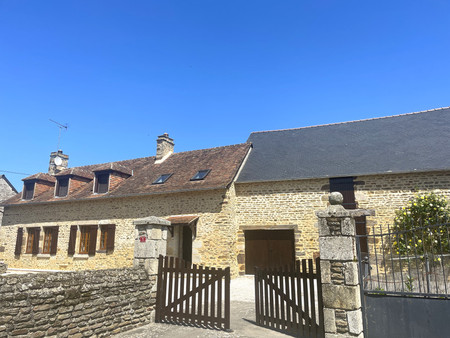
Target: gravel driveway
{"points": [[242, 319]]}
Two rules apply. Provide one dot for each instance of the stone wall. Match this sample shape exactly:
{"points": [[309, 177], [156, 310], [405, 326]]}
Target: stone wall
{"points": [[5, 190], [281, 205], [5, 193], [75, 304], [292, 204], [387, 193], [213, 245], [224, 215]]}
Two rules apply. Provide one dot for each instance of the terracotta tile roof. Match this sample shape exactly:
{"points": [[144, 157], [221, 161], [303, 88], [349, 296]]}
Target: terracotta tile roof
{"points": [[40, 176], [224, 163], [76, 172]]}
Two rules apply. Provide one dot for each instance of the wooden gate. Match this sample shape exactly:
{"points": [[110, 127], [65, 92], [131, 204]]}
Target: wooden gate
{"points": [[192, 295], [290, 299]]}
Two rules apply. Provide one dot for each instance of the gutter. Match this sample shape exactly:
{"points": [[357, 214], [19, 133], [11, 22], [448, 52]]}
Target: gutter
{"points": [[346, 175], [115, 197]]}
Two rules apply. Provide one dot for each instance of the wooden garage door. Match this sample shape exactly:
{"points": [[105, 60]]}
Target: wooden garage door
{"points": [[268, 249]]}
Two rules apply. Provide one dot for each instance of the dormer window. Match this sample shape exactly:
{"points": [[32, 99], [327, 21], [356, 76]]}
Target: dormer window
{"points": [[62, 186], [200, 175], [101, 183], [161, 179], [28, 190]]}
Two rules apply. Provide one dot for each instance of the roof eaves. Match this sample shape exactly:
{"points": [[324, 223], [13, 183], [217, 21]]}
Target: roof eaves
{"points": [[116, 196], [389, 172]]}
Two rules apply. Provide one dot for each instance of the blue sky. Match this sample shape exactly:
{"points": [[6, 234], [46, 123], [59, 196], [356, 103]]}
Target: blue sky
{"points": [[209, 72]]}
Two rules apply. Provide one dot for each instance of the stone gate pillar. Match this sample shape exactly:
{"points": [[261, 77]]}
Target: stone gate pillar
{"points": [[339, 269], [150, 242]]}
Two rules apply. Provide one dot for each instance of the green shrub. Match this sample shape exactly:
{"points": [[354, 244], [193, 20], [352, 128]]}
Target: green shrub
{"points": [[422, 211]]}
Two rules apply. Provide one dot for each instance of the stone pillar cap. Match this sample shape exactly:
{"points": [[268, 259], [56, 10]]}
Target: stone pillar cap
{"points": [[337, 210], [151, 220], [336, 198]]}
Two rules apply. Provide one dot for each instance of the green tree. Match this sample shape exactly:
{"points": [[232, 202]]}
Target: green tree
{"points": [[422, 226]]}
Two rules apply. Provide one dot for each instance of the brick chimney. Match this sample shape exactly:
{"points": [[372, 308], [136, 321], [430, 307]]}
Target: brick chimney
{"points": [[164, 147], [58, 162]]}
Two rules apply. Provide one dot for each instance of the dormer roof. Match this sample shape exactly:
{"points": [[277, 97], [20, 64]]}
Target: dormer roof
{"points": [[114, 166], [78, 172], [40, 177]]}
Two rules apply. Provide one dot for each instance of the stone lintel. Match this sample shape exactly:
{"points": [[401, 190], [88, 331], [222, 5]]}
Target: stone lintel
{"points": [[339, 211], [151, 220], [362, 212], [337, 248], [333, 211], [105, 222]]}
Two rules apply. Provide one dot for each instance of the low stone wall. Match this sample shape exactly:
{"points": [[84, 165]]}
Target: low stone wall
{"points": [[76, 304]]}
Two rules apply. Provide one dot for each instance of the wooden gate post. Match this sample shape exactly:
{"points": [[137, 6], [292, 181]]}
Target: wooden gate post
{"points": [[150, 242], [339, 269]]}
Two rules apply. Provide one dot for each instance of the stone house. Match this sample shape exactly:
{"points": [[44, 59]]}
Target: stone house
{"points": [[239, 206], [83, 217], [7, 190], [376, 164]]}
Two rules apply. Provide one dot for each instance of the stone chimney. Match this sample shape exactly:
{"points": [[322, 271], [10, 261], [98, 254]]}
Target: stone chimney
{"points": [[164, 147], [58, 162]]}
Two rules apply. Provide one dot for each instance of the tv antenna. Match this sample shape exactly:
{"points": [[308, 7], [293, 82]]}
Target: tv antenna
{"points": [[60, 126]]}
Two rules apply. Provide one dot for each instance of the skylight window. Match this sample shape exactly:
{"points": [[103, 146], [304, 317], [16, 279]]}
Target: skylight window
{"points": [[162, 179], [200, 175]]}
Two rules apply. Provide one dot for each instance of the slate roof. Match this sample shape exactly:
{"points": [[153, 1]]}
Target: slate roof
{"points": [[224, 163], [9, 183], [406, 143]]}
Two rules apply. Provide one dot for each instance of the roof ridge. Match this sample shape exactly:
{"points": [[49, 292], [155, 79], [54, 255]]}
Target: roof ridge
{"points": [[354, 121], [110, 162], [229, 145], [149, 157]]}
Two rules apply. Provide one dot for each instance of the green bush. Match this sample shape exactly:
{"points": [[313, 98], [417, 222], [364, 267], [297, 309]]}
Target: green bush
{"points": [[422, 211]]}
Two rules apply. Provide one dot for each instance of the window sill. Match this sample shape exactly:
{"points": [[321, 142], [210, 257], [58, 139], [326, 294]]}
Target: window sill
{"points": [[101, 251], [47, 256], [81, 256]]}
